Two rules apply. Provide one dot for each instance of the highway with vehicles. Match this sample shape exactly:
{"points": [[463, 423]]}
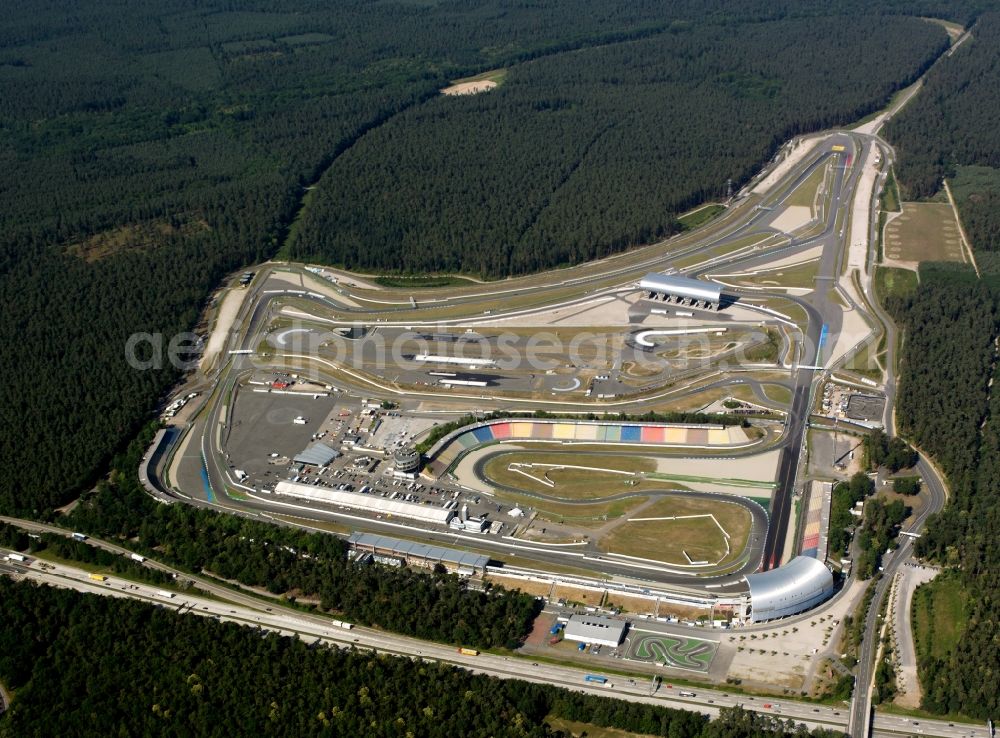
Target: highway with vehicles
{"points": [[257, 613]]}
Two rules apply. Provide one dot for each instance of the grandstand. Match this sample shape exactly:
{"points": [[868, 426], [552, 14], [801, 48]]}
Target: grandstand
{"points": [[419, 554], [797, 586], [682, 291], [366, 503], [453, 446]]}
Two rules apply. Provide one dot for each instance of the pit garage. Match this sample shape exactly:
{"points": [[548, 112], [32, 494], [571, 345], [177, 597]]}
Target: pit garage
{"points": [[682, 291], [797, 586], [370, 503]]}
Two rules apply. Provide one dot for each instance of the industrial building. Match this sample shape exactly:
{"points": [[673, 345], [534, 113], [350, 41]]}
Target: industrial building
{"points": [[682, 291], [419, 554], [366, 502], [800, 584], [595, 629], [406, 460]]}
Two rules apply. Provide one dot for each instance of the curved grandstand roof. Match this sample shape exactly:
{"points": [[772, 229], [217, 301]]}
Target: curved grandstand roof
{"points": [[672, 284], [798, 585]]}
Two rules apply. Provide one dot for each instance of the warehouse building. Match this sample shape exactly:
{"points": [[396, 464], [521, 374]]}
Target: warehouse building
{"points": [[419, 554], [802, 583], [365, 503], [682, 291], [596, 630]]}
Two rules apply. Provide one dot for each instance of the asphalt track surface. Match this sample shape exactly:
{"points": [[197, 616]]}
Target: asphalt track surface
{"points": [[259, 307], [751, 554]]}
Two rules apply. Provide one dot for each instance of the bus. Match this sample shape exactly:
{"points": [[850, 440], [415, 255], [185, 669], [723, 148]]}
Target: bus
{"points": [[595, 679], [98, 577], [468, 652]]}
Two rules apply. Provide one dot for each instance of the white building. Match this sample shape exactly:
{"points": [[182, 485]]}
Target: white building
{"points": [[595, 629], [797, 586], [366, 503]]}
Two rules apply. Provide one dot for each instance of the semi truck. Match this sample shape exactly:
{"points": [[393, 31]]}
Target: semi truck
{"points": [[17, 557], [137, 557], [165, 593], [79, 537]]}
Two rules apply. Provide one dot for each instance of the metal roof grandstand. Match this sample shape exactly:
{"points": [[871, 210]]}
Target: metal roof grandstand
{"points": [[411, 549], [368, 503], [317, 454], [672, 284], [798, 585]]}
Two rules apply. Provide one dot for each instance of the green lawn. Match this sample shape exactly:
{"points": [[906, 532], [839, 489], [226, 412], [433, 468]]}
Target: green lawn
{"points": [[894, 282], [805, 194], [699, 216], [940, 614]]}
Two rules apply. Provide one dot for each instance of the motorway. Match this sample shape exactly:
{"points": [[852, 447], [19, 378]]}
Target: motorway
{"points": [[257, 613]]}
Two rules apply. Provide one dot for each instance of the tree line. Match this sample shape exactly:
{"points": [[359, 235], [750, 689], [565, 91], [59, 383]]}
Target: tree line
{"points": [[947, 407], [139, 669], [578, 156]]}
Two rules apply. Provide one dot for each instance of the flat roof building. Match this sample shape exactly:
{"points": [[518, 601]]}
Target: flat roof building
{"points": [[800, 584], [682, 290], [595, 629], [418, 553], [365, 502]]}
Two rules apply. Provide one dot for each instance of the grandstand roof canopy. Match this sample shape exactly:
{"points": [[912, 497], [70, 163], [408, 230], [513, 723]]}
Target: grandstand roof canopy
{"points": [[673, 284], [794, 587], [317, 454], [398, 547], [369, 503]]}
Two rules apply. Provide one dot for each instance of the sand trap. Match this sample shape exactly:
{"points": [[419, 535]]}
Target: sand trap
{"points": [[227, 314], [470, 88], [798, 150], [792, 218]]}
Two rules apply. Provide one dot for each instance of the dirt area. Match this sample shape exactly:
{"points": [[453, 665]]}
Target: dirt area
{"points": [[469, 88], [575, 594], [540, 630], [538, 589], [792, 218], [924, 231], [787, 655]]}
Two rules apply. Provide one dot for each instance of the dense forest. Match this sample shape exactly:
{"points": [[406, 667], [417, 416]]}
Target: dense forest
{"points": [[149, 150], [948, 406], [136, 669], [580, 155], [949, 131]]}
